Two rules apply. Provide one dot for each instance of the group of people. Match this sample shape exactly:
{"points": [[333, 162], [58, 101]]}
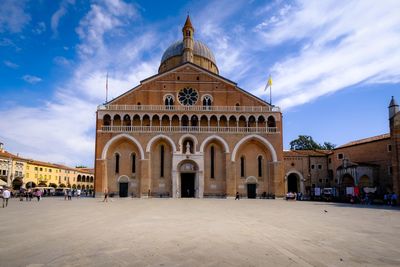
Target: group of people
{"points": [[6, 194], [294, 196], [390, 199]]}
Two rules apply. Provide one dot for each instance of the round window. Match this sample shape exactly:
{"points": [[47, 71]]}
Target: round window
{"points": [[188, 96]]}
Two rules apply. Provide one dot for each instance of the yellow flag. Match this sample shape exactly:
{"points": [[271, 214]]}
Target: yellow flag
{"points": [[269, 83]]}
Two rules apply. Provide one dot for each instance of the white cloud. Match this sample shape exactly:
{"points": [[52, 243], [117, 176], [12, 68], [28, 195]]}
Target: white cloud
{"points": [[10, 64], [31, 79], [342, 45], [62, 130], [40, 28], [62, 61], [13, 17], [59, 14]]}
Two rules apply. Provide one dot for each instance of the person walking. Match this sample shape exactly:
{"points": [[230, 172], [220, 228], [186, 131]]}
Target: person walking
{"points": [[105, 195], [394, 199], [69, 194], [237, 196], [6, 196], [78, 193], [38, 194]]}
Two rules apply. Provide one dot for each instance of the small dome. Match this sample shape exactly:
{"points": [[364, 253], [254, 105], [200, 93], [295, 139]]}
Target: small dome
{"points": [[199, 49]]}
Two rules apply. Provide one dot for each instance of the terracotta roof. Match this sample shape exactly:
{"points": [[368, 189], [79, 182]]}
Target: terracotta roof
{"points": [[366, 140], [298, 153], [6, 154]]}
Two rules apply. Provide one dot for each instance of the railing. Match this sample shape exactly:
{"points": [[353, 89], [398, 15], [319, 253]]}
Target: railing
{"points": [[189, 108], [189, 129]]}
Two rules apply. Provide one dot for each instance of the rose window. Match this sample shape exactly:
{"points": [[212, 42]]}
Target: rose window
{"points": [[188, 96]]}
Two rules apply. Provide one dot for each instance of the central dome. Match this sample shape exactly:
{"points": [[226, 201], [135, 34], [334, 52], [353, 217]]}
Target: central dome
{"points": [[188, 50], [199, 49]]}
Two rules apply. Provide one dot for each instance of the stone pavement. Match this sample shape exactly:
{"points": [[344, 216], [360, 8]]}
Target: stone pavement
{"points": [[197, 232]]}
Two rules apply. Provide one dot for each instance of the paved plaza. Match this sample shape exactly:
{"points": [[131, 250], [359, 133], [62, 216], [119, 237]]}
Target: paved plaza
{"points": [[197, 232]]}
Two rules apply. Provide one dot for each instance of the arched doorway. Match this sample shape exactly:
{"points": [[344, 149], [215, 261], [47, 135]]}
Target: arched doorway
{"points": [[347, 181], [364, 182], [123, 182], [188, 171], [16, 184], [30, 185], [251, 187], [293, 183]]}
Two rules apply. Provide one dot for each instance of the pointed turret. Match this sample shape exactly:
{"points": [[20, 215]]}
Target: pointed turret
{"points": [[188, 41], [393, 108]]}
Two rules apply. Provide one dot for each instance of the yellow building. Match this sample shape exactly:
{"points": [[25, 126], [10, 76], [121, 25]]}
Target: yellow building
{"points": [[12, 168], [16, 171]]}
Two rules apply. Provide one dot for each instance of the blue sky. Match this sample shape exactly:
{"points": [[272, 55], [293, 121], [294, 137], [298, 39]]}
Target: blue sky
{"points": [[334, 64]]}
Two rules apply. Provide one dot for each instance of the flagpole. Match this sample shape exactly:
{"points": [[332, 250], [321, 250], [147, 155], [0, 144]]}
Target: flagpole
{"points": [[107, 88], [270, 94]]}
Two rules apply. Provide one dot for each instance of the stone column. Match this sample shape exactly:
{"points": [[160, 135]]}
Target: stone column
{"points": [[144, 179]]}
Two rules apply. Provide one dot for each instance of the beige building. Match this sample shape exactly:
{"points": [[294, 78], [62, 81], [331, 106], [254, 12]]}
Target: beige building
{"points": [[12, 168], [371, 162], [188, 132]]}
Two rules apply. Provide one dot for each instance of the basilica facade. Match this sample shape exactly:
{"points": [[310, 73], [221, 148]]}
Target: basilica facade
{"points": [[188, 132]]}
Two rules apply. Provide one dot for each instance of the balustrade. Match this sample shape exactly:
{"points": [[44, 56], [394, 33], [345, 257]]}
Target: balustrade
{"points": [[189, 129], [189, 108]]}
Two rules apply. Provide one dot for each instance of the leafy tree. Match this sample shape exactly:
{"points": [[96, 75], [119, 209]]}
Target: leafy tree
{"points": [[328, 146], [305, 142], [81, 167]]}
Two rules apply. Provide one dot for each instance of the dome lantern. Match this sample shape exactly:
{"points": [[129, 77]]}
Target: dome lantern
{"points": [[188, 50]]}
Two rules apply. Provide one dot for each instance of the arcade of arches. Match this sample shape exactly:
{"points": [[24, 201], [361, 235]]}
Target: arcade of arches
{"points": [[188, 132]]}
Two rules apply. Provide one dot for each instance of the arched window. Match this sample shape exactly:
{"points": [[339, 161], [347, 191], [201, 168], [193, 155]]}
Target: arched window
{"points": [[79, 178], [242, 166], [162, 161], [212, 157], [169, 101], [259, 166], [271, 122], [116, 163], [107, 120], [207, 101], [133, 158]]}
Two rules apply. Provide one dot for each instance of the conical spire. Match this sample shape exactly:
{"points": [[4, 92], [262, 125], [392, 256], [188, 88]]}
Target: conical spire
{"points": [[393, 108], [188, 23], [393, 102]]}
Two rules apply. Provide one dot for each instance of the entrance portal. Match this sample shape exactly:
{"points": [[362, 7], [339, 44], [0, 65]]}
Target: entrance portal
{"points": [[123, 189], [251, 190], [187, 185], [292, 183]]}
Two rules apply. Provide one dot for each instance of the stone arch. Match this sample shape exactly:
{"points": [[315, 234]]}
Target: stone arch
{"points": [[364, 181], [117, 120], [126, 120], [107, 120], [117, 137], [271, 121], [223, 121], [300, 177], [251, 180], [259, 138], [216, 137], [160, 136], [194, 138], [123, 179], [204, 121]]}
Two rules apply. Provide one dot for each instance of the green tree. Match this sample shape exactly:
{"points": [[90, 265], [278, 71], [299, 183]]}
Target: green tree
{"points": [[306, 142], [328, 146]]}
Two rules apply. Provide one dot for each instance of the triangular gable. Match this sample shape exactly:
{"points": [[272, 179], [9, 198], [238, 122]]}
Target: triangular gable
{"points": [[213, 75]]}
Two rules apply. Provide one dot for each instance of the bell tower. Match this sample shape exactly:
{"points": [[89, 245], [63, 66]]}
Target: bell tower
{"points": [[188, 42]]}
